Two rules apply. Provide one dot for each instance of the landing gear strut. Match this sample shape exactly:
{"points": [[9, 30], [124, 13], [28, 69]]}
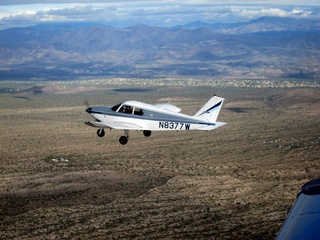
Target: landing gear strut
{"points": [[100, 132], [124, 139]]}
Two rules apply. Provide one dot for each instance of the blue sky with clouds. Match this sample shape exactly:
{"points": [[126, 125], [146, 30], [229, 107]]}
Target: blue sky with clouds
{"points": [[19, 13]]}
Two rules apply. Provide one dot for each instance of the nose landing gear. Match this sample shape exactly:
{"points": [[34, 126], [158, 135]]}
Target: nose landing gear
{"points": [[100, 132]]}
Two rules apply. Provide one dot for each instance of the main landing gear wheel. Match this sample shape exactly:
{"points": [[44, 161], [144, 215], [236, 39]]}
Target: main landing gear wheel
{"points": [[147, 133], [100, 132], [123, 140]]}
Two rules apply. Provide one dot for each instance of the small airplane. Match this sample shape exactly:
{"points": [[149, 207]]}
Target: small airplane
{"points": [[133, 115]]}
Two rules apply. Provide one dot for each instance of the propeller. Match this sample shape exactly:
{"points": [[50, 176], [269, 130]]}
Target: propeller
{"points": [[86, 102]]}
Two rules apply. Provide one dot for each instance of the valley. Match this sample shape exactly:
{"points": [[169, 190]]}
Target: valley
{"points": [[60, 181]]}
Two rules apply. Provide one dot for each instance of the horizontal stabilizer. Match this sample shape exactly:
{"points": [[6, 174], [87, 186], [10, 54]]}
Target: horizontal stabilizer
{"points": [[211, 127]]}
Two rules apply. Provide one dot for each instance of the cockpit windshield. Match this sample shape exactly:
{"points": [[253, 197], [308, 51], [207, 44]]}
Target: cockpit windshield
{"points": [[116, 107]]}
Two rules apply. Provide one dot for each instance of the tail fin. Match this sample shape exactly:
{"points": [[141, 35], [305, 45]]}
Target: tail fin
{"points": [[210, 111]]}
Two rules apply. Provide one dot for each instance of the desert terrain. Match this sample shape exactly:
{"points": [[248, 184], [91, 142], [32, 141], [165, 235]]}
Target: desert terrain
{"points": [[59, 180]]}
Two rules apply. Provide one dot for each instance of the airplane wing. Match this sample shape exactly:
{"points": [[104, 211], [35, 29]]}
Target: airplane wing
{"points": [[303, 220], [98, 124], [117, 125], [168, 107]]}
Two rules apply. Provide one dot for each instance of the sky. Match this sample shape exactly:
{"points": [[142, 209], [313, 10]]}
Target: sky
{"points": [[123, 13]]}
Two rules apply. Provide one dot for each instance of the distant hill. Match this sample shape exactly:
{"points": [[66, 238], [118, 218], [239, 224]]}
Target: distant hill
{"points": [[263, 24], [265, 47]]}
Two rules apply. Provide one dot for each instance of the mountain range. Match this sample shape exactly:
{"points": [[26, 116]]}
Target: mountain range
{"points": [[264, 47]]}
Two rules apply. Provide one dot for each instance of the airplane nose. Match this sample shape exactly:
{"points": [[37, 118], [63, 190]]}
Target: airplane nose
{"points": [[88, 110]]}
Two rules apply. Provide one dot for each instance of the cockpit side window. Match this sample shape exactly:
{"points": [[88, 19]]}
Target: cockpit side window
{"points": [[138, 111]]}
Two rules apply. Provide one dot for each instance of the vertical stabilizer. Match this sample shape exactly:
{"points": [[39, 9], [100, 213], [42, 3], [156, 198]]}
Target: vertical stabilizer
{"points": [[210, 111]]}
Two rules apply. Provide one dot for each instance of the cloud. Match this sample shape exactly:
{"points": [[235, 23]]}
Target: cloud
{"points": [[191, 2], [124, 13], [275, 12], [236, 13]]}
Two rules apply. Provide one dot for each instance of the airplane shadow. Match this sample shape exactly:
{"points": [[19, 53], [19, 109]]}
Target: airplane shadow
{"points": [[239, 110]]}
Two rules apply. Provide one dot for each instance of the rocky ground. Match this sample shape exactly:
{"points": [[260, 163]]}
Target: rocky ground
{"points": [[60, 181]]}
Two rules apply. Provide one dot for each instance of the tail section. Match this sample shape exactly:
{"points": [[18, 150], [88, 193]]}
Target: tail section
{"points": [[210, 111]]}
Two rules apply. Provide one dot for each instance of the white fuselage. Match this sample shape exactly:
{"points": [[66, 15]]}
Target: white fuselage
{"points": [[160, 120], [132, 115]]}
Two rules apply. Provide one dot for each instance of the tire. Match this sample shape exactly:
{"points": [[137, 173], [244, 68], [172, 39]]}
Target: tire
{"points": [[147, 133], [100, 132], [123, 140]]}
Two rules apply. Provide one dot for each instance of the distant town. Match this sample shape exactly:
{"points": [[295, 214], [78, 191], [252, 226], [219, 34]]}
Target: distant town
{"points": [[254, 83]]}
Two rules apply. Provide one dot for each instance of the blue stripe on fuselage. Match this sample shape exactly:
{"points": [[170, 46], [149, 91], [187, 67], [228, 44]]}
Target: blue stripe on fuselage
{"points": [[147, 115]]}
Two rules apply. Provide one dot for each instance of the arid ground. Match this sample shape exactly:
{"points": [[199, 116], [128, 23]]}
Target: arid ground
{"points": [[59, 180]]}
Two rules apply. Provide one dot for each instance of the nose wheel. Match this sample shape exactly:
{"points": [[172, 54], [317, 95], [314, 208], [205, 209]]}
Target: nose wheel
{"points": [[100, 132]]}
